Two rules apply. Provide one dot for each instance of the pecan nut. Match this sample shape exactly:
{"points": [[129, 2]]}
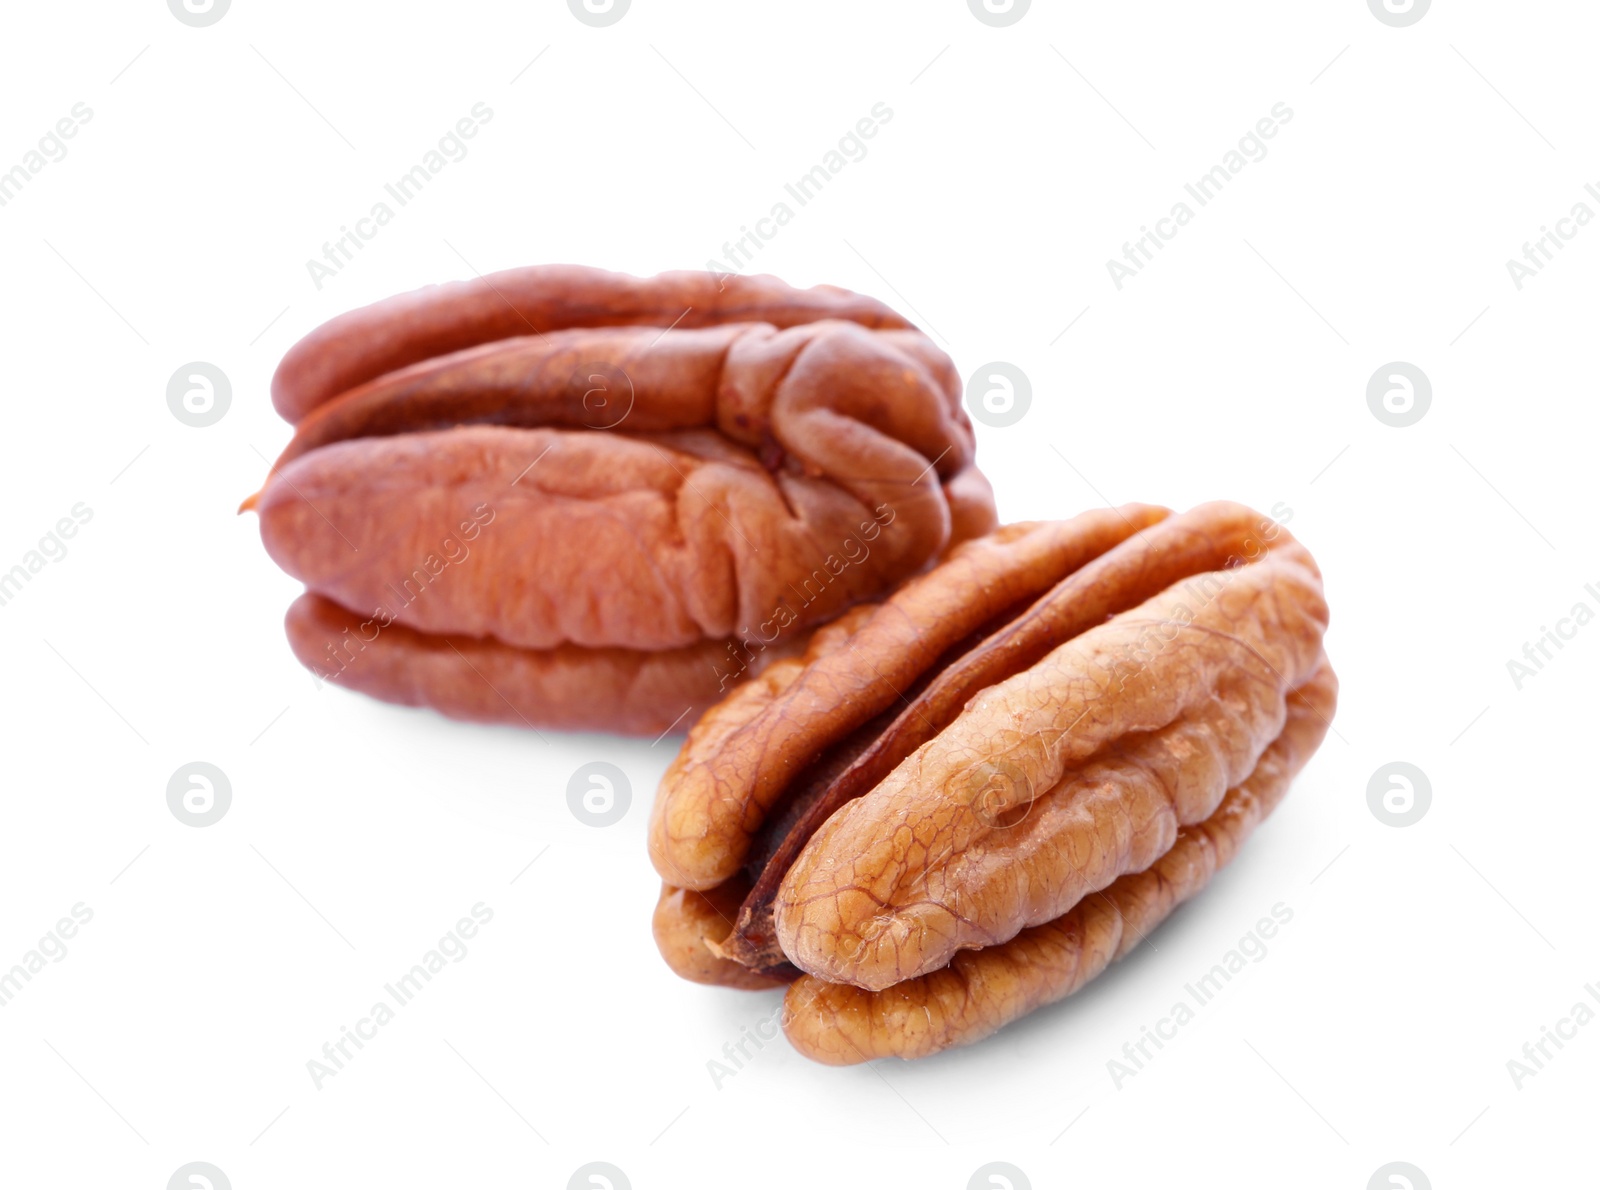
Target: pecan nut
{"points": [[962, 804], [566, 497]]}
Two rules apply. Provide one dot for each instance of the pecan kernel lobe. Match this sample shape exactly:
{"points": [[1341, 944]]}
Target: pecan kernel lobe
{"points": [[486, 681], [981, 991], [687, 924], [580, 379], [439, 319], [744, 755]]}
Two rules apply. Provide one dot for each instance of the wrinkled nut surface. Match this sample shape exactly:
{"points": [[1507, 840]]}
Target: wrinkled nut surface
{"points": [[560, 496], [965, 802]]}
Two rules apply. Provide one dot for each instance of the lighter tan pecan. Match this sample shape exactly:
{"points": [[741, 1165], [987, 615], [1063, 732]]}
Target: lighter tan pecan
{"points": [[899, 802]]}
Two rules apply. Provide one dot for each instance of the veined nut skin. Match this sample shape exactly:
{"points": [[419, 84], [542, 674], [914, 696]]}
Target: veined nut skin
{"points": [[965, 802], [557, 496]]}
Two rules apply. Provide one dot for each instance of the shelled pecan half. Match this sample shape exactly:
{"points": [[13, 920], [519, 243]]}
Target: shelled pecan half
{"points": [[559, 496], [964, 802]]}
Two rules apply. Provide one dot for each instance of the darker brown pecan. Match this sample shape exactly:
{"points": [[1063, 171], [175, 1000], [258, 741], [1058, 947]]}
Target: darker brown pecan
{"points": [[560, 496], [962, 803]]}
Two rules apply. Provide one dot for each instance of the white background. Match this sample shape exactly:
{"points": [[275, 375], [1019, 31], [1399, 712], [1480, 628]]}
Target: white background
{"points": [[1018, 160]]}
